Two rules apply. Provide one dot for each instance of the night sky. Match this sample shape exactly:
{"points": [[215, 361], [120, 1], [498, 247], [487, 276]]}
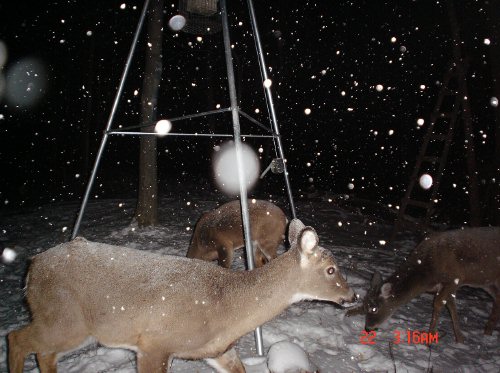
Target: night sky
{"points": [[324, 56]]}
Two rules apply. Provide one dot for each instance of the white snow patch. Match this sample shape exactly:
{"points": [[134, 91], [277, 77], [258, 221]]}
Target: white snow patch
{"points": [[288, 357]]}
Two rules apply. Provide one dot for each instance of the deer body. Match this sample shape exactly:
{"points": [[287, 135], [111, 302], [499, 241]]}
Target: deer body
{"points": [[441, 264], [219, 232], [163, 306]]}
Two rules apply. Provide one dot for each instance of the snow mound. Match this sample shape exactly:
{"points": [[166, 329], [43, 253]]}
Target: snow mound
{"points": [[288, 357]]}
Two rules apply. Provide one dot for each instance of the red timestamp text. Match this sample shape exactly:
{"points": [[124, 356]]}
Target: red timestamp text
{"points": [[406, 337]]}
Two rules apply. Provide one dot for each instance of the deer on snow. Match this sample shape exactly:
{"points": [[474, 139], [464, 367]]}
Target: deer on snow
{"points": [[441, 264], [164, 307], [218, 233]]}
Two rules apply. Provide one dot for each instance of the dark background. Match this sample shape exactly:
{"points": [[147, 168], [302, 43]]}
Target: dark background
{"points": [[315, 49]]}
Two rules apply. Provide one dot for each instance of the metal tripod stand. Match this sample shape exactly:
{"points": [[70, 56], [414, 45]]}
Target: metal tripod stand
{"points": [[236, 112]]}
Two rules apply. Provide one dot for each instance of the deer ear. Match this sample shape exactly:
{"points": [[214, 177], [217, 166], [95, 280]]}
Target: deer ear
{"points": [[294, 229], [386, 290], [376, 281], [308, 240]]}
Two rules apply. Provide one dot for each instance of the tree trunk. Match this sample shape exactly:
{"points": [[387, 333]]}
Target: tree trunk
{"points": [[147, 205], [493, 16]]}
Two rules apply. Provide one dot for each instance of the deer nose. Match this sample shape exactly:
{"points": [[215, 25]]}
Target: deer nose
{"points": [[352, 299]]}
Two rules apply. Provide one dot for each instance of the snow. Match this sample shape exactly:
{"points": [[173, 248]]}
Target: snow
{"points": [[225, 164], [163, 127], [331, 340], [177, 22], [8, 255], [425, 181], [288, 357]]}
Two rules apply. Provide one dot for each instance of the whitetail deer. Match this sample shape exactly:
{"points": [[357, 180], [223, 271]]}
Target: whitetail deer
{"points": [[164, 307], [219, 232], [441, 264]]}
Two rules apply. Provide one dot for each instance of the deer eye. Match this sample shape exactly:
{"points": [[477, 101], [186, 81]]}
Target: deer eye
{"points": [[373, 310], [330, 270]]}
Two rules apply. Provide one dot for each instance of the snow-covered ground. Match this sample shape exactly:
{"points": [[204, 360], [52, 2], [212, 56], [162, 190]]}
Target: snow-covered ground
{"points": [[331, 339]]}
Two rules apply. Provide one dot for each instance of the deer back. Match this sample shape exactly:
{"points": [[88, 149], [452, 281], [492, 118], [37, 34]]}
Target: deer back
{"points": [[223, 228]]}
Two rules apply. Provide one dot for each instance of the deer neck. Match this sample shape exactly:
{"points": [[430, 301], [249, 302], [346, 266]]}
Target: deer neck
{"points": [[254, 297], [408, 284]]}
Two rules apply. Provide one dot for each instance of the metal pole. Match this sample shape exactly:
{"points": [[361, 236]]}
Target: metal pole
{"points": [[269, 97], [110, 121], [131, 133], [237, 142]]}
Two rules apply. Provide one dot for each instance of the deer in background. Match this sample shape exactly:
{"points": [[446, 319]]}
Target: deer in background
{"points": [[218, 233], [161, 306], [441, 264]]}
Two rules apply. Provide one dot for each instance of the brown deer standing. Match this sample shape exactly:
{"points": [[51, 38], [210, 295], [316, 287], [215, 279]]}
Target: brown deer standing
{"points": [[164, 307], [441, 264], [219, 232]]}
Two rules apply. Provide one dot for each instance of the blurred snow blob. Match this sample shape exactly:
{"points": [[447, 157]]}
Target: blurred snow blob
{"points": [[494, 102], [379, 87], [425, 181], [177, 22], [286, 357], [163, 127], [486, 41], [3, 54], [8, 255], [350, 186], [268, 83], [2, 87], [3, 60], [307, 111], [420, 121], [226, 167], [25, 82]]}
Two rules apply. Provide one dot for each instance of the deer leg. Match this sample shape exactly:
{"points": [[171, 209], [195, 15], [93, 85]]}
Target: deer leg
{"points": [[495, 312], [226, 254], [47, 362], [267, 250], [259, 255], [440, 300], [36, 339], [19, 347], [225, 257], [153, 360], [452, 308], [46, 341], [228, 362]]}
